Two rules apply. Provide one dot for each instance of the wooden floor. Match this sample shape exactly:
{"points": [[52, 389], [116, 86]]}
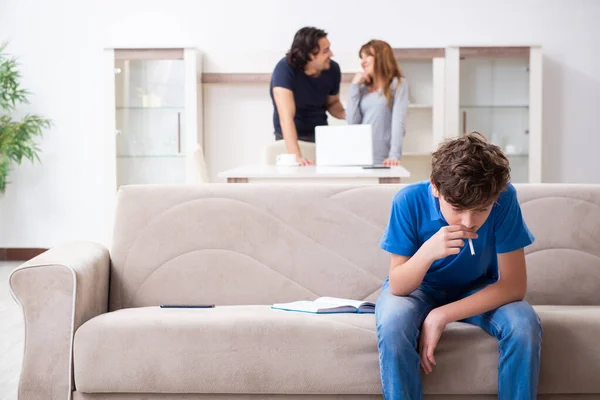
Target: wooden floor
{"points": [[11, 336]]}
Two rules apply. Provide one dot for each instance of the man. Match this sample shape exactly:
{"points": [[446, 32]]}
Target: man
{"points": [[457, 255], [304, 85]]}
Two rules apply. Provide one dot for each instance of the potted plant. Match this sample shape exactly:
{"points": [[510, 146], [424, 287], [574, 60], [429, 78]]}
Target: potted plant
{"points": [[17, 137]]}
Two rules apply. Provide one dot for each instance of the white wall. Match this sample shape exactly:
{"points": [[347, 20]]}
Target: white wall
{"points": [[60, 45]]}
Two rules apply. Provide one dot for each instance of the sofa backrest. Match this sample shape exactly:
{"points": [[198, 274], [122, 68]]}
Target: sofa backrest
{"points": [[259, 244]]}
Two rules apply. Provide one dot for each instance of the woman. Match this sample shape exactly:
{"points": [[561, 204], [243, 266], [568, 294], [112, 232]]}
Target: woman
{"points": [[379, 97]]}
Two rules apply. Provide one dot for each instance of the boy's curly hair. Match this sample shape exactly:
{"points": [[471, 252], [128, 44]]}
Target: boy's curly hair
{"points": [[469, 171]]}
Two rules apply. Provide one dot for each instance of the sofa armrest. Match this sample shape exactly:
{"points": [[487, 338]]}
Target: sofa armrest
{"points": [[58, 291]]}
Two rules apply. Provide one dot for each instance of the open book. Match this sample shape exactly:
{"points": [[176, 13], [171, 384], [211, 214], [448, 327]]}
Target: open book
{"points": [[328, 305]]}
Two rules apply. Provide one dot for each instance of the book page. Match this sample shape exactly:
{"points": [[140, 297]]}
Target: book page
{"points": [[308, 306], [314, 307], [341, 302]]}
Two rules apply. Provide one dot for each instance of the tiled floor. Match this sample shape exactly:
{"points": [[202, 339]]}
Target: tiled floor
{"points": [[11, 336]]}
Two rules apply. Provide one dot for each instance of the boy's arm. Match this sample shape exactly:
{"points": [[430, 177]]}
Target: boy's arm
{"points": [[512, 286], [407, 273], [512, 236]]}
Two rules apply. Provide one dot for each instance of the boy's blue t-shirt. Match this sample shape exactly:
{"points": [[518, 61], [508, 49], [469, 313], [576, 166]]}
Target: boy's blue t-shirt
{"points": [[416, 216], [310, 96]]}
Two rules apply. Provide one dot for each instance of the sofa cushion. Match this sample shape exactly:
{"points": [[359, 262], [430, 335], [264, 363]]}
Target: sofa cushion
{"points": [[255, 349]]}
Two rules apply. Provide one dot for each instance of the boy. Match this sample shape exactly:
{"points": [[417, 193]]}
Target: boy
{"points": [[435, 279]]}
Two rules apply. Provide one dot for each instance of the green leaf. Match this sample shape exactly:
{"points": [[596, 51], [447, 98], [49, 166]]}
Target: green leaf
{"points": [[18, 139]]}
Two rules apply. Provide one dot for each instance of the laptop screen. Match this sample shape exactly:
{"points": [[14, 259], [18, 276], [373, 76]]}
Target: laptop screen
{"points": [[344, 145]]}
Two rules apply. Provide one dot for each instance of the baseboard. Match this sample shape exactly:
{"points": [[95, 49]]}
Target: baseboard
{"points": [[19, 253]]}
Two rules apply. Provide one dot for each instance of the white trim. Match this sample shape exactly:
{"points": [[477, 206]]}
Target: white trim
{"points": [[109, 141], [452, 91], [535, 114], [149, 54], [124, 45], [439, 92], [72, 333]]}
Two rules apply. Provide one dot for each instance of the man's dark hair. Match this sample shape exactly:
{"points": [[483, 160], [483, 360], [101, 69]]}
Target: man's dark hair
{"points": [[306, 41], [469, 172]]}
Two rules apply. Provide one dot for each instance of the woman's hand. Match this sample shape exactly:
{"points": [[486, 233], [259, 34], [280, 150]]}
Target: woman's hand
{"points": [[390, 162], [360, 78]]}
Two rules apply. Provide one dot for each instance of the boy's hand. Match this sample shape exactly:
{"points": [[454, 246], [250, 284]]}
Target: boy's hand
{"points": [[447, 241], [431, 331]]}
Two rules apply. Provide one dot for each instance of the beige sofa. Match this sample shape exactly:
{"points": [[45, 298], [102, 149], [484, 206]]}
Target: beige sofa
{"points": [[93, 326]]}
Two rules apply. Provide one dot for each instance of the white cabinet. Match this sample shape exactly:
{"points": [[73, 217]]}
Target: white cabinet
{"points": [[157, 122], [494, 90], [425, 115], [498, 91]]}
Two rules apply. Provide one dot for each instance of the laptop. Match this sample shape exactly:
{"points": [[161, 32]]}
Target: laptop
{"points": [[344, 145]]}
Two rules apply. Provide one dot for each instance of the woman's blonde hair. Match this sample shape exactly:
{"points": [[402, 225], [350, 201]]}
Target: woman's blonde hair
{"points": [[386, 67]]}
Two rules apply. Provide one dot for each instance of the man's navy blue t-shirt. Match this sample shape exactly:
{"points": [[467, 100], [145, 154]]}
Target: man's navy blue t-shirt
{"points": [[310, 96]]}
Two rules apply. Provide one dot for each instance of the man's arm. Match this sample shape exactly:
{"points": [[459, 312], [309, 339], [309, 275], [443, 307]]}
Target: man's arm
{"points": [[335, 107], [512, 286], [286, 108]]}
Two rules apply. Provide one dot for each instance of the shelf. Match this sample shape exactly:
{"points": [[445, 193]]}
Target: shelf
{"points": [[149, 54], [401, 54], [519, 106], [504, 51], [421, 106], [151, 108], [428, 154], [250, 78], [235, 77], [151, 156], [404, 54]]}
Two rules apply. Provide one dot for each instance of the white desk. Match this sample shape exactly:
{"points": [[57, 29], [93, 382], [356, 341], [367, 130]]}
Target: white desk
{"points": [[313, 174]]}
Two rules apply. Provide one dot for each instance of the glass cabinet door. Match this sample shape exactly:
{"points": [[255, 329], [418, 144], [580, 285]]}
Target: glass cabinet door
{"points": [[494, 100], [150, 116]]}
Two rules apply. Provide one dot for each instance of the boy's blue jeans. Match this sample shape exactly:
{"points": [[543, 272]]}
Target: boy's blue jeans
{"points": [[399, 319]]}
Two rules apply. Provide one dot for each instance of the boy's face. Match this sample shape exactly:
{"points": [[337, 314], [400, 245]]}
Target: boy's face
{"points": [[472, 219]]}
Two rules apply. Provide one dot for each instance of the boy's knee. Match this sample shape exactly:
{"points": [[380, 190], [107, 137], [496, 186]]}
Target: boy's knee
{"points": [[398, 327], [524, 324]]}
